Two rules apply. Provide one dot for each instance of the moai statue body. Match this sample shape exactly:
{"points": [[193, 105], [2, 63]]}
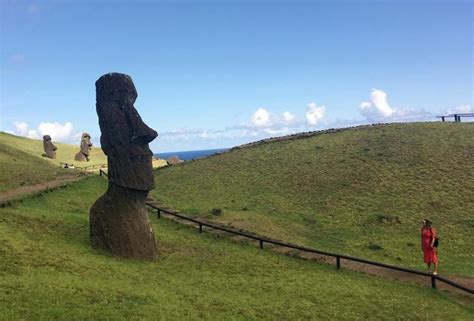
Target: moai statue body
{"points": [[119, 220], [49, 148], [86, 146]]}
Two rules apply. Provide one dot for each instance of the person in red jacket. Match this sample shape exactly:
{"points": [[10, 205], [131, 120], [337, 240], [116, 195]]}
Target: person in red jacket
{"points": [[428, 236]]}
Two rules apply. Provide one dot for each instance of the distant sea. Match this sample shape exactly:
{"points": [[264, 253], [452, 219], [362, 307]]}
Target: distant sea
{"points": [[191, 154]]}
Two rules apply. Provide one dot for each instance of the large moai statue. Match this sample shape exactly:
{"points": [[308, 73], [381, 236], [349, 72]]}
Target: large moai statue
{"points": [[118, 219], [86, 146], [49, 148]]}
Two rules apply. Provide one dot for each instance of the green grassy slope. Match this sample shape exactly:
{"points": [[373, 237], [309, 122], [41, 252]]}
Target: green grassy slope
{"points": [[18, 168], [361, 192], [49, 272], [64, 154]]}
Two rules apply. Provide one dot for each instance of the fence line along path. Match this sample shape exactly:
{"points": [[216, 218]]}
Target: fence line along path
{"points": [[262, 240]]}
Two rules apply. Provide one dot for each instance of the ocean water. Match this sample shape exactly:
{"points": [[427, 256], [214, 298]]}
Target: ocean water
{"points": [[190, 154]]}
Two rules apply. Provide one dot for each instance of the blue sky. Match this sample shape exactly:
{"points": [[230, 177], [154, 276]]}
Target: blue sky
{"points": [[213, 74]]}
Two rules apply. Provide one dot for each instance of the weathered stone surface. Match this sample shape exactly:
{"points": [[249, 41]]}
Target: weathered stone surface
{"points": [[86, 146], [49, 148], [118, 220], [174, 160]]}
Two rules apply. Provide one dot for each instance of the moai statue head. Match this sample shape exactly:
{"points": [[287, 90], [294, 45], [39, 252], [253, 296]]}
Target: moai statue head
{"points": [[86, 144], [49, 148], [125, 136]]}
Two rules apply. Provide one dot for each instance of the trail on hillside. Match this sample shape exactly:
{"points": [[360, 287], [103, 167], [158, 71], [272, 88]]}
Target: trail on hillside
{"points": [[16, 193], [346, 264]]}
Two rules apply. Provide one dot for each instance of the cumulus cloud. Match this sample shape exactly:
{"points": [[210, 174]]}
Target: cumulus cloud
{"points": [[377, 107], [261, 118], [288, 117], [315, 113], [22, 129], [262, 123], [59, 132]]}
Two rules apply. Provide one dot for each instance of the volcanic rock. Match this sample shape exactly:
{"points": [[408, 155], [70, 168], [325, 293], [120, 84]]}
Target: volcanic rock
{"points": [[118, 220]]}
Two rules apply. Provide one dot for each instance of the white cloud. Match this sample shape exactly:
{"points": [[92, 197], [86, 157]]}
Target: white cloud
{"points": [[261, 118], [57, 131], [21, 129], [288, 117], [461, 109], [365, 105], [314, 113], [377, 107]]}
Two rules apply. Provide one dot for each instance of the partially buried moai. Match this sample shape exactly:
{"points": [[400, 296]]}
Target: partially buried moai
{"points": [[49, 148], [118, 220], [86, 146]]}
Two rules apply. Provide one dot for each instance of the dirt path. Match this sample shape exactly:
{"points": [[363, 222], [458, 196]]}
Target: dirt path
{"points": [[345, 264], [31, 189]]}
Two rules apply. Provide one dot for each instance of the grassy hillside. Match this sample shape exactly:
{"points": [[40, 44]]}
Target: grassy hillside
{"points": [[64, 154], [49, 272], [361, 192], [19, 168]]}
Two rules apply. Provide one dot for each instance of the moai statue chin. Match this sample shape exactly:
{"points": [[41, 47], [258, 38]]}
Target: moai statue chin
{"points": [[49, 148], [118, 220], [86, 146]]}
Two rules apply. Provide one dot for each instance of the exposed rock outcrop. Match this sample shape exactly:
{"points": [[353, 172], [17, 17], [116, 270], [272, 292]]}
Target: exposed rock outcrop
{"points": [[174, 160]]}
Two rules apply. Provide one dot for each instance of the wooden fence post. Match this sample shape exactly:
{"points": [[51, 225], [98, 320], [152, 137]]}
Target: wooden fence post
{"points": [[200, 228], [158, 213], [261, 244], [338, 262], [433, 282]]}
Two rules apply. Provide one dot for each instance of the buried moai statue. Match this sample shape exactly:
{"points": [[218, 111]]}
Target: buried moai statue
{"points": [[86, 146], [118, 220], [49, 148]]}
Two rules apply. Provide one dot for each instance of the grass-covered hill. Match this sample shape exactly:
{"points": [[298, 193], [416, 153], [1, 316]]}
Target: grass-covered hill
{"points": [[19, 167], [21, 163], [361, 191], [48, 271], [64, 154]]}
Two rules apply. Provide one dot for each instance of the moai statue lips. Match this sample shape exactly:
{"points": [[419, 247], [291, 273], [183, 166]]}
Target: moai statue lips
{"points": [[49, 148], [125, 136]]}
